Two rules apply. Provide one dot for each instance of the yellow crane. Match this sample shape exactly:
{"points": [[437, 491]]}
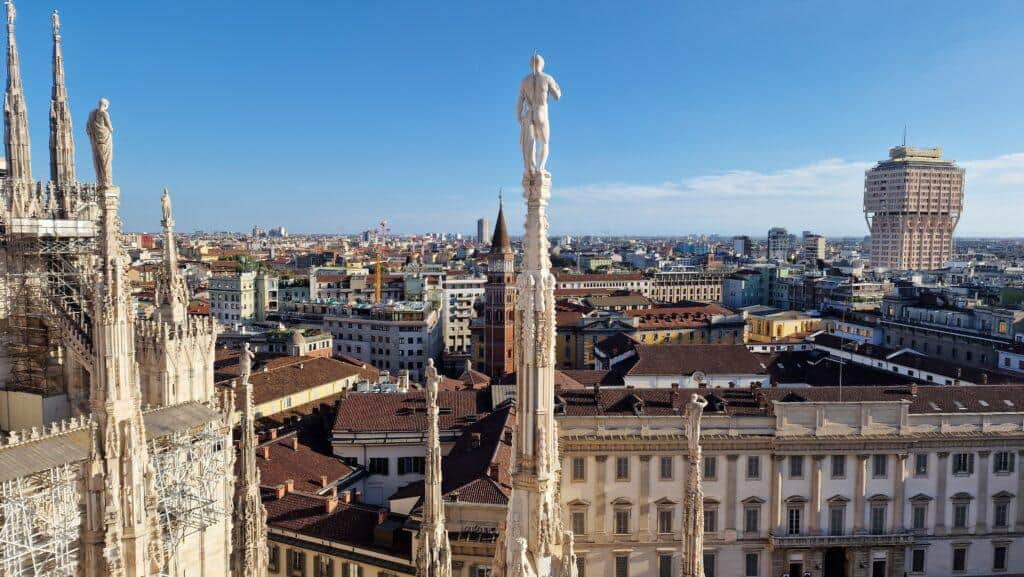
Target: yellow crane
{"points": [[378, 285]]}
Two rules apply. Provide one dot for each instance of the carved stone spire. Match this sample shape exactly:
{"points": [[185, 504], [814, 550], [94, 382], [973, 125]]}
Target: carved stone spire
{"points": [[434, 556], [171, 292], [693, 500], [16, 139], [62, 141], [249, 554], [535, 541], [123, 538]]}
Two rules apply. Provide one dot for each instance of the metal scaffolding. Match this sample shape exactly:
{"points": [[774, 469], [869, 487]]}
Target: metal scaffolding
{"points": [[189, 473], [47, 260], [40, 520]]}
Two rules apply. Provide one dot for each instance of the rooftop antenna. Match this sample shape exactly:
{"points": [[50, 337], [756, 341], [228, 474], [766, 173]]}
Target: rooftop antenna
{"points": [[904, 135]]}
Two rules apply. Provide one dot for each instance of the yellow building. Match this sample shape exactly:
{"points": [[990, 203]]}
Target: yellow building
{"points": [[769, 325]]}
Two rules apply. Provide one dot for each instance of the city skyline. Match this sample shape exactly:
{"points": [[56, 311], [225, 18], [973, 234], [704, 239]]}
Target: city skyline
{"points": [[709, 121]]}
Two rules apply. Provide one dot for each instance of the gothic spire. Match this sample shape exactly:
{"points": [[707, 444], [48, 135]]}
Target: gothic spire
{"points": [[62, 142], [249, 557], [433, 558], [129, 541], [534, 541], [500, 243], [19, 159], [172, 294]]}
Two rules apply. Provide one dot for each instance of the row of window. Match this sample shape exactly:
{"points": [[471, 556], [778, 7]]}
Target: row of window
{"points": [[1003, 462], [1000, 558], [406, 465], [751, 564]]}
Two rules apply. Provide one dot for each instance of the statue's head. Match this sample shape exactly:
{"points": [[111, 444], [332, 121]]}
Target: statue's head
{"points": [[537, 63], [104, 104]]}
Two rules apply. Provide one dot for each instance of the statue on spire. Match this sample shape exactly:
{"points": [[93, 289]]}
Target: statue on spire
{"points": [[101, 134], [532, 114], [165, 205], [434, 554]]}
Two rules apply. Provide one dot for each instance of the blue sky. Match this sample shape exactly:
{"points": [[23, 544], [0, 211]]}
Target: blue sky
{"points": [[676, 117]]}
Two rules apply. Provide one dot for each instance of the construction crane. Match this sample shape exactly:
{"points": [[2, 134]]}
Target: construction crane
{"points": [[378, 286]]}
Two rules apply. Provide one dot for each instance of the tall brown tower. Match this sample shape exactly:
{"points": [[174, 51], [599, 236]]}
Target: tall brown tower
{"points": [[497, 347]]}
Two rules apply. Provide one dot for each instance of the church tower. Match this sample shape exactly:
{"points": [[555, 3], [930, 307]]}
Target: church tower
{"points": [[497, 347], [176, 349]]}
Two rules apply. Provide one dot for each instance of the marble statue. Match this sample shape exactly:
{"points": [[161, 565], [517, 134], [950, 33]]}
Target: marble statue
{"points": [[100, 134], [532, 113], [245, 362], [165, 204]]}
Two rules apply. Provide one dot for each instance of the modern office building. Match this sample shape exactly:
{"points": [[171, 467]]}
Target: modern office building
{"points": [[912, 204]]}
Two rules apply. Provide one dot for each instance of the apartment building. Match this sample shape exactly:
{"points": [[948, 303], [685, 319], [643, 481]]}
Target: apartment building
{"points": [[391, 336]]}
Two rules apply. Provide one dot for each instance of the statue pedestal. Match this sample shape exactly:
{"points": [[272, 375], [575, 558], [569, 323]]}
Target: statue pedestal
{"points": [[537, 185]]}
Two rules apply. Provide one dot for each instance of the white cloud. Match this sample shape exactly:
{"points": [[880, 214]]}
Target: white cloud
{"points": [[824, 196]]}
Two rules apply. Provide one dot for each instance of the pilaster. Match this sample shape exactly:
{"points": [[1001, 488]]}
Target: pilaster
{"points": [[942, 472], [815, 513], [730, 496], [859, 494], [983, 473]]}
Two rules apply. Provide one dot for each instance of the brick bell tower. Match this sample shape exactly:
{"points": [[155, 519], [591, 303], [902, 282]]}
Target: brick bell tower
{"points": [[498, 347]]}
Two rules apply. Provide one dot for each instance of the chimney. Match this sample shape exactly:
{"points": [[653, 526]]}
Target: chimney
{"points": [[475, 441], [382, 516], [273, 433], [330, 504], [346, 496], [357, 496], [913, 389], [266, 453], [280, 491], [290, 484], [494, 471], [295, 442], [302, 366], [334, 492], [454, 496], [323, 481]]}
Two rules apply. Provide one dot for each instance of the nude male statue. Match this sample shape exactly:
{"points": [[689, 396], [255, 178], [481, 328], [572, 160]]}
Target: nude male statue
{"points": [[532, 113]]}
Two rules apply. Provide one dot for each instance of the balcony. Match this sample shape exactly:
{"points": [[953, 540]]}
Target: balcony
{"points": [[859, 540]]}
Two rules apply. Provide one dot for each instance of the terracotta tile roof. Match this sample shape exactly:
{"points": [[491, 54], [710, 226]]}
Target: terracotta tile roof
{"points": [[918, 361], [931, 399], [571, 277], [616, 345], [478, 467], [289, 375], [304, 464], [589, 378], [226, 367], [474, 378], [686, 359], [407, 411], [349, 523], [678, 316]]}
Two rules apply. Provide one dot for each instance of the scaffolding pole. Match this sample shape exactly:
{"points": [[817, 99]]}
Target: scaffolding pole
{"points": [[40, 520]]}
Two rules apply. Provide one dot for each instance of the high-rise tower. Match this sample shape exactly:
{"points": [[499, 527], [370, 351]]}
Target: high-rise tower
{"points": [[912, 204]]}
